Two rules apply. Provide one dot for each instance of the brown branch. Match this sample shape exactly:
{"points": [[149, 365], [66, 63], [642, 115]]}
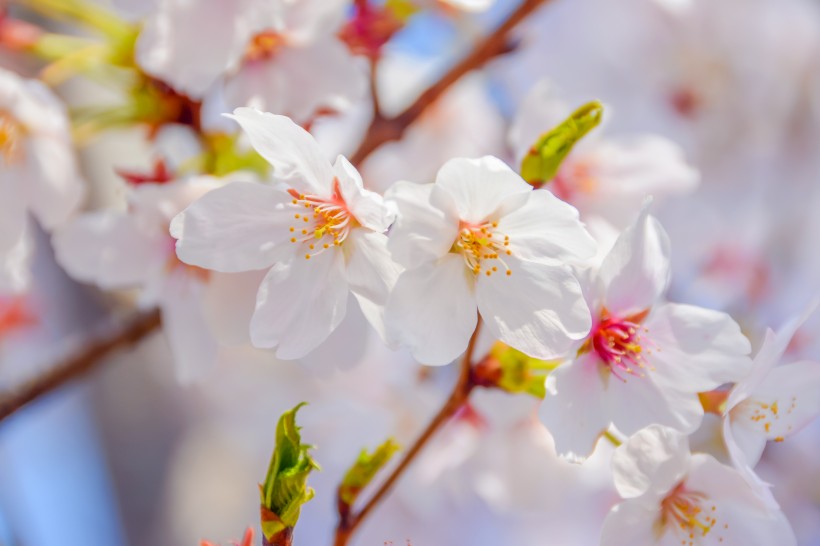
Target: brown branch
{"points": [[458, 397], [384, 130], [87, 359]]}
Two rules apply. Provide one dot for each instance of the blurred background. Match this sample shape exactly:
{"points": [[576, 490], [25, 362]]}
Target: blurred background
{"points": [[130, 457]]}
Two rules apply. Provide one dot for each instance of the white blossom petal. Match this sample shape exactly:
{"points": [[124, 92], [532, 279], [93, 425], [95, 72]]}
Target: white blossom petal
{"points": [[479, 186], [573, 409], [240, 227], [635, 273], [700, 349], [192, 344], [432, 310], [297, 159], [300, 302], [371, 274], [651, 461], [112, 250], [366, 206], [539, 309], [424, 230], [546, 229], [191, 43]]}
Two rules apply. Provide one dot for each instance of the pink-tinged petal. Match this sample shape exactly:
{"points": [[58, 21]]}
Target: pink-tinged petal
{"points": [[297, 159], [538, 308], [741, 515], [745, 441], [635, 273], [192, 344], [615, 176], [546, 229], [424, 229], [479, 186], [745, 447], [786, 401], [631, 523], [371, 274], [367, 207], [652, 461], [432, 310], [573, 409], [112, 250], [771, 351], [636, 402], [51, 181], [240, 227], [299, 304], [768, 356], [192, 43], [228, 303], [695, 349], [299, 81]]}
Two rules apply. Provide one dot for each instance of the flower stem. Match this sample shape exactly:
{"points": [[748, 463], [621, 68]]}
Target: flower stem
{"points": [[87, 359], [384, 130], [348, 523]]}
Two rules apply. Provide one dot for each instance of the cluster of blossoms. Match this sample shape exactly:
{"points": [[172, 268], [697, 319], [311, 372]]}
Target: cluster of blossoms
{"points": [[551, 284]]}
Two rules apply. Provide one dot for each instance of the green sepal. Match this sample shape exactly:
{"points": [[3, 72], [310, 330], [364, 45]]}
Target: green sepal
{"points": [[544, 159], [364, 470], [224, 156], [285, 490], [519, 373]]}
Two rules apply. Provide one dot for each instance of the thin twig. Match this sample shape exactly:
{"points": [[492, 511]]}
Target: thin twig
{"points": [[86, 360], [458, 397], [384, 130]]}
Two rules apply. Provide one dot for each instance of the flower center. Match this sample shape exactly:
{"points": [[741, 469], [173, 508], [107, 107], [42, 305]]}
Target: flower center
{"points": [[574, 178], [619, 344], [264, 45], [482, 247], [683, 510], [323, 223], [11, 133], [764, 414]]}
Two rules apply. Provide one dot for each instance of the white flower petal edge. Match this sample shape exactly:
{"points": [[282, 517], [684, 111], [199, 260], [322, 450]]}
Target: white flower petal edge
{"points": [[774, 401], [650, 358], [317, 231], [674, 498], [520, 282]]}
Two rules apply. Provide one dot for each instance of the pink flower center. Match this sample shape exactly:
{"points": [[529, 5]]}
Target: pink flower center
{"points": [[11, 133], [322, 223], [684, 511], [620, 344], [483, 247]]}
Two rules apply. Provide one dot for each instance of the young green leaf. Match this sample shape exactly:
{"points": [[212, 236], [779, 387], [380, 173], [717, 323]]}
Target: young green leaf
{"points": [[285, 490], [363, 471], [544, 159]]}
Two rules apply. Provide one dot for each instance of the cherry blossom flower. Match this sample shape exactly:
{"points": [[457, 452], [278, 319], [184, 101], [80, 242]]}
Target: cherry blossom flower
{"points": [[605, 177], [774, 401], [133, 249], [645, 360], [247, 539], [480, 238], [318, 233], [277, 55], [677, 498], [39, 173]]}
